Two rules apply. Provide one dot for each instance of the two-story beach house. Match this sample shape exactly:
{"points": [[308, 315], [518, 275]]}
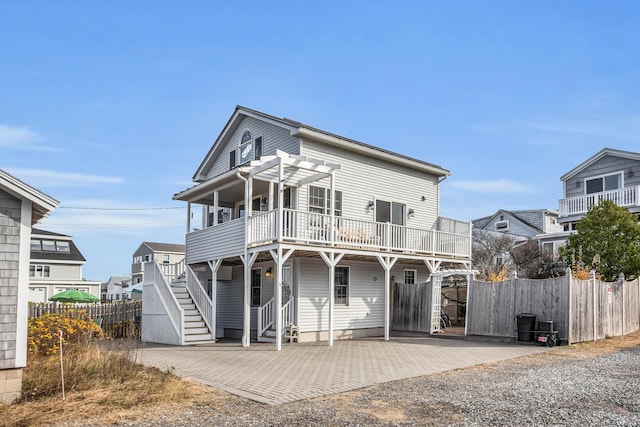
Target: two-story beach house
{"points": [[21, 207], [302, 233], [56, 265], [164, 253], [608, 175]]}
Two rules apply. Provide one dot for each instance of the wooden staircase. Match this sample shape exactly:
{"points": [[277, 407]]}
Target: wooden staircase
{"points": [[195, 330]]}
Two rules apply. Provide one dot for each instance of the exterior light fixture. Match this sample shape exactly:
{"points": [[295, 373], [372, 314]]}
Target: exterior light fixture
{"points": [[370, 205], [268, 272], [411, 213]]}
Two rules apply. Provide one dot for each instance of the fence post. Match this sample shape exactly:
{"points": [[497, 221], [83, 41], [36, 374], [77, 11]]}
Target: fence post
{"points": [[592, 278], [570, 307], [621, 278]]}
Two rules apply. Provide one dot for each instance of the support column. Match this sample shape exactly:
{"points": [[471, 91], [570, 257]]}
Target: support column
{"points": [[331, 259], [216, 201], [214, 265], [248, 261], [387, 263], [188, 217]]}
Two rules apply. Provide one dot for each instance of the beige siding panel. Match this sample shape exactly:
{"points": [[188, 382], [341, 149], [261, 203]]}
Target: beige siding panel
{"points": [[363, 178], [273, 137], [59, 272]]}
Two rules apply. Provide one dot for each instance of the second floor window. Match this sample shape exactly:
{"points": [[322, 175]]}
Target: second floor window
{"points": [[39, 271], [320, 201], [249, 149], [603, 183], [166, 259]]}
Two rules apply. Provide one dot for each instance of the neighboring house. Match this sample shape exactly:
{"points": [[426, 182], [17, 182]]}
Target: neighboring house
{"points": [[21, 207], [116, 287], [164, 253], [523, 223], [537, 224], [302, 233], [608, 175], [56, 265]]}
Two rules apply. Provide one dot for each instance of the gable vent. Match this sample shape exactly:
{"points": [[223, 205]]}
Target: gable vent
{"points": [[502, 225]]}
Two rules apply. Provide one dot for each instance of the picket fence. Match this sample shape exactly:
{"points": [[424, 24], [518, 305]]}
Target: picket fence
{"points": [[119, 318]]}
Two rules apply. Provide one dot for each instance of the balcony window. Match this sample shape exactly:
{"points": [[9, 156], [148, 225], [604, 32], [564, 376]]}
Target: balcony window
{"points": [[604, 183]]}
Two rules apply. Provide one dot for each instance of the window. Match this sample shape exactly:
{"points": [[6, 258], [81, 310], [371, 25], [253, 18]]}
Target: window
{"points": [[63, 246], [410, 277], [49, 245], [320, 201], [137, 259], [246, 137], [257, 148], [246, 150], [548, 248], [256, 281], [39, 271], [604, 183], [341, 287], [147, 257], [502, 225], [36, 245], [232, 159], [390, 212], [166, 259]]}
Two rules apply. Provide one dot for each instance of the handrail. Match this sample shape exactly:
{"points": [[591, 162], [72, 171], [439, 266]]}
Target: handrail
{"points": [[200, 298], [265, 317], [173, 271], [287, 313], [625, 197]]}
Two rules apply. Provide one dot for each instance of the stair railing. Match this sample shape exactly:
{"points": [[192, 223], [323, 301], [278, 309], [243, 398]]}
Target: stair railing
{"points": [[265, 317], [287, 314], [200, 298]]}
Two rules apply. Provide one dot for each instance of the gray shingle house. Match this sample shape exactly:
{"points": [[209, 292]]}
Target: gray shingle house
{"points": [[21, 207]]}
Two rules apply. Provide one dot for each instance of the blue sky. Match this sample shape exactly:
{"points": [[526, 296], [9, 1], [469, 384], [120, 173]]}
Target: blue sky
{"points": [[112, 105]]}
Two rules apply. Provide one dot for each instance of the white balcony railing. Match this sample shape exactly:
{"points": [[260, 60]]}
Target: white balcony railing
{"points": [[451, 238], [625, 197]]}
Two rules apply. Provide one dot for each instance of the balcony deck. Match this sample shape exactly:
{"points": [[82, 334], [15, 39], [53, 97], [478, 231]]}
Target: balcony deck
{"points": [[627, 197], [452, 239]]}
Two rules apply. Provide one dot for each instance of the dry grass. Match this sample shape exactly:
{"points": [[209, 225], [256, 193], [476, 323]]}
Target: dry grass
{"points": [[138, 393], [100, 383]]}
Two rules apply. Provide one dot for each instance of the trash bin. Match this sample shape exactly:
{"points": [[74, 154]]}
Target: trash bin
{"points": [[526, 325], [545, 326]]}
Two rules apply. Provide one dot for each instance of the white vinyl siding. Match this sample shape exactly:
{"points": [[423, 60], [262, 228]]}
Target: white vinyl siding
{"points": [[200, 244], [363, 179], [273, 137], [366, 297]]}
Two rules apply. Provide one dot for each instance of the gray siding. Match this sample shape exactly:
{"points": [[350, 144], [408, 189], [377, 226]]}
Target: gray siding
{"points": [[608, 164], [228, 238], [273, 137], [364, 178], [10, 214]]}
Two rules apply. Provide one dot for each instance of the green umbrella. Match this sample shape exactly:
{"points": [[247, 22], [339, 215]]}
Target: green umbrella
{"points": [[74, 295]]}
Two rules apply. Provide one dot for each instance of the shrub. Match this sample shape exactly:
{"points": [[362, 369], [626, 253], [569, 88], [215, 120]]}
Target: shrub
{"points": [[43, 332]]}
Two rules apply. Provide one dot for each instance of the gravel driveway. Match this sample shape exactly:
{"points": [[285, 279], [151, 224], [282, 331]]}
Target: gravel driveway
{"points": [[563, 387]]}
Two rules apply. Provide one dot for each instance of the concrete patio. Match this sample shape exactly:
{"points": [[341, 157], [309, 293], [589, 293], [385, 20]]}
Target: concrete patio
{"points": [[307, 370]]}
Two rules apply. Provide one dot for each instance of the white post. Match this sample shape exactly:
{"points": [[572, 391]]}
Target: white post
{"points": [[387, 264], [331, 260], [215, 267], [188, 217], [279, 299], [271, 194], [332, 221], [279, 223], [216, 201]]}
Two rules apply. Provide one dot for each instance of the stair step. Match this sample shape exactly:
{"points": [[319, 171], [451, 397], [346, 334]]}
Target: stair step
{"points": [[192, 317], [191, 306], [194, 324], [196, 331], [197, 337], [191, 312]]}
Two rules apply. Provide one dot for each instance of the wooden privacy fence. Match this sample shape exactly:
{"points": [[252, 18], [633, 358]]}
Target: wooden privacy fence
{"points": [[582, 310], [110, 314], [411, 307]]}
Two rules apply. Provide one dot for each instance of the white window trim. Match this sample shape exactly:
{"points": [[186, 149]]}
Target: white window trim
{"points": [[584, 181], [415, 275], [348, 287], [391, 201], [505, 222]]}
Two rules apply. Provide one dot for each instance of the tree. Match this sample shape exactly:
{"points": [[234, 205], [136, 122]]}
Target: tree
{"points": [[608, 241], [491, 253], [532, 262]]}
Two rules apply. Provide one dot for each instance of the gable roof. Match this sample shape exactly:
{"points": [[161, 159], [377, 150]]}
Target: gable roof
{"points": [[42, 203], [164, 247], [518, 215], [302, 130], [599, 155]]}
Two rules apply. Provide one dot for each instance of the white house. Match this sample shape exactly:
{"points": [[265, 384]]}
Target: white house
{"points": [[302, 232], [55, 266], [21, 207], [164, 253], [116, 288]]}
